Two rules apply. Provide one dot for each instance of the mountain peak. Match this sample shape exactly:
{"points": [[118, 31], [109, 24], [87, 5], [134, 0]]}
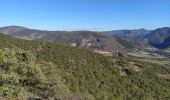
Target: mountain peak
{"points": [[13, 28]]}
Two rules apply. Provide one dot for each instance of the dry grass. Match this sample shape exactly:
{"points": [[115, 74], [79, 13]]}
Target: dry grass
{"points": [[157, 61], [143, 54]]}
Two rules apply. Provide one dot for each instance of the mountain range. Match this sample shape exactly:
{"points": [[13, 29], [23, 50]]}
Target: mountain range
{"points": [[112, 41]]}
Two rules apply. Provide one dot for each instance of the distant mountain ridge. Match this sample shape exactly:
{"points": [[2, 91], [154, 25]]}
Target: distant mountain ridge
{"points": [[88, 39], [159, 38], [113, 41], [136, 33]]}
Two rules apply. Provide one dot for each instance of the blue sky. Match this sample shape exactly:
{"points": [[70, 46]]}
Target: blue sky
{"points": [[85, 14]]}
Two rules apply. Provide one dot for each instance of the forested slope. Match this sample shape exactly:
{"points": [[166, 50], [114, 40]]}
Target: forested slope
{"points": [[47, 70]]}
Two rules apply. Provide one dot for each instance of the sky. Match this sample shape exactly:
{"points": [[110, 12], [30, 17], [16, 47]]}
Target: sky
{"points": [[85, 14]]}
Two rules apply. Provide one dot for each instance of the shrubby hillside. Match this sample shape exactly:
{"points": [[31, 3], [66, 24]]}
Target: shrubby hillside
{"points": [[42, 70]]}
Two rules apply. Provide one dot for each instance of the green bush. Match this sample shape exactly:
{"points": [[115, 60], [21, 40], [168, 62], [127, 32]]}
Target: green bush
{"points": [[18, 71]]}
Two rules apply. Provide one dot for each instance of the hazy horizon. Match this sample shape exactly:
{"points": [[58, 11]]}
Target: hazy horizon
{"points": [[78, 29]]}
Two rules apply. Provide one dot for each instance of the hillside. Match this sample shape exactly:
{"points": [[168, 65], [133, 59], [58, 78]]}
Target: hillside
{"points": [[159, 38], [88, 39], [69, 73]]}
